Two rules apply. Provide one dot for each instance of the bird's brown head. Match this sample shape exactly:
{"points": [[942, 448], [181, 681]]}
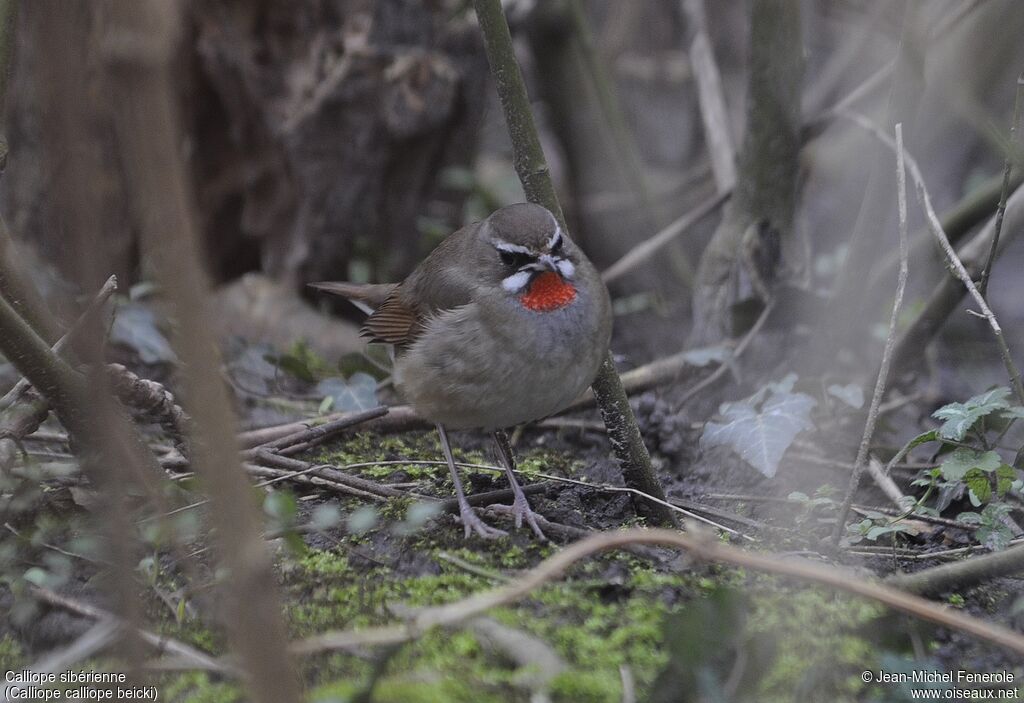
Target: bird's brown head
{"points": [[531, 256]]}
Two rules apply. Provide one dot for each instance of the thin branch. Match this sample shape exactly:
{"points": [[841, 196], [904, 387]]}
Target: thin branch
{"points": [[95, 639], [195, 658], [647, 248], [710, 97], [740, 348], [311, 436], [890, 342], [699, 547], [954, 262], [1007, 168], [61, 385], [101, 297], [17, 423], [531, 166]]}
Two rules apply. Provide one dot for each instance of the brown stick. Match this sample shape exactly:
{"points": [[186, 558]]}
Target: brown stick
{"points": [[961, 574]]}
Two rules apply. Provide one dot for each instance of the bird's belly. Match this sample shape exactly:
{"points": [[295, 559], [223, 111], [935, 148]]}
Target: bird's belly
{"points": [[464, 375]]}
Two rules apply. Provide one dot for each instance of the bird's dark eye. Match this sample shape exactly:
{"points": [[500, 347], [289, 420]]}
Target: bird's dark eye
{"points": [[556, 248], [515, 259]]}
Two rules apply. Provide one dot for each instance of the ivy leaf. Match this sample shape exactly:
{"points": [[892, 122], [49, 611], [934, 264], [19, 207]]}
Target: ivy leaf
{"points": [[760, 433], [358, 392], [963, 459], [960, 417]]}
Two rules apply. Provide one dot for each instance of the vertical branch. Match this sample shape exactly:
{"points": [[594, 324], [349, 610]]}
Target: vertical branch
{"points": [[1007, 169], [710, 97], [530, 164], [764, 198], [890, 342], [139, 45]]}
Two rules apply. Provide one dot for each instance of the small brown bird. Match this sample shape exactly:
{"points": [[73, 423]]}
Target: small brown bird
{"points": [[505, 322]]}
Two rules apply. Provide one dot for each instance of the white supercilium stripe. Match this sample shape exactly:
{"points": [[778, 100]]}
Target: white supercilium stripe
{"points": [[511, 248]]}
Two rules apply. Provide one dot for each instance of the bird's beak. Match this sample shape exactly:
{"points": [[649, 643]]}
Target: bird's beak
{"points": [[548, 263]]}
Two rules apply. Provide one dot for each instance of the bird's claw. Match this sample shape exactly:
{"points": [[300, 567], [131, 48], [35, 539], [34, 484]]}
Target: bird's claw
{"points": [[472, 523], [521, 510]]}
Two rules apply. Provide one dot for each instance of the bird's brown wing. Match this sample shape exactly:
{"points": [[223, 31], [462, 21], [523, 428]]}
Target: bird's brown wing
{"points": [[394, 322]]}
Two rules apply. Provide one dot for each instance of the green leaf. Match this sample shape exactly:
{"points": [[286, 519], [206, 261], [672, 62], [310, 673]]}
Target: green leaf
{"points": [[325, 405], [760, 433], [969, 518], [929, 436], [1005, 476], [1014, 413], [981, 488], [281, 506], [36, 576], [962, 460], [960, 417]]}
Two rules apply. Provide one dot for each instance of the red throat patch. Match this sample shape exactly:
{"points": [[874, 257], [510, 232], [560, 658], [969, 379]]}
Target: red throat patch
{"points": [[547, 292]]}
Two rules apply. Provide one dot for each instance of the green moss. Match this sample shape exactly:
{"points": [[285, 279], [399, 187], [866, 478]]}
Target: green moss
{"points": [[365, 448], [11, 657], [196, 687], [586, 687], [819, 633]]}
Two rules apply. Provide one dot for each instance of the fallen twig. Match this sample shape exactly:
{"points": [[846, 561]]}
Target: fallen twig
{"points": [[961, 574], [195, 658], [701, 548], [399, 418], [314, 435], [95, 639]]}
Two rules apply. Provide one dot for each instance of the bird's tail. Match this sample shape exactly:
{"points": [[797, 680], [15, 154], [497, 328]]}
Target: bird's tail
{"points": [[372, 295]]}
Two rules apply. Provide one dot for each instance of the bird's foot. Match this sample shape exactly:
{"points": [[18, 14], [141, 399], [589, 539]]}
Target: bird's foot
{"points": [[521, 510], [472, 522]]}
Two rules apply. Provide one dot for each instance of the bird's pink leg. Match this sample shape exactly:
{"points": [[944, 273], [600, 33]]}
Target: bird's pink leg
{"points": [[520, 506], [470, 520]]}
